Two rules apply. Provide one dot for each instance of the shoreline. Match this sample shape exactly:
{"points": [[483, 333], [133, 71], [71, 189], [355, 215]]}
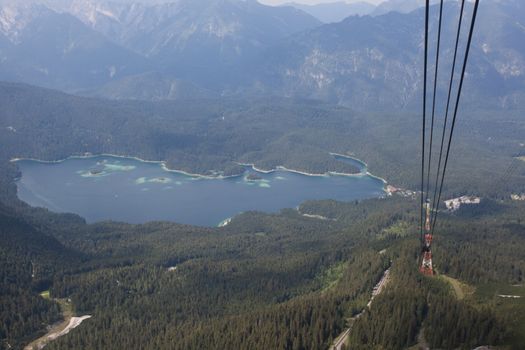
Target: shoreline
{"points": [[326, 174], [163, 165], [363, 164]]}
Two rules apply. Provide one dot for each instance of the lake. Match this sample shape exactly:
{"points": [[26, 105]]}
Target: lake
{"points": [[127, 189]]}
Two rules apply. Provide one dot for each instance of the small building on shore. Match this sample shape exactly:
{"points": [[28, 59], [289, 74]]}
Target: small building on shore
{"points": [[455, 203]]}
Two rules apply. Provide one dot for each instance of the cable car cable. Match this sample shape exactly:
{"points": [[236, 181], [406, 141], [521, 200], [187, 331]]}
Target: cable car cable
{"points": [[434, 99], [456, 107], [452, 73], [427, 5]]}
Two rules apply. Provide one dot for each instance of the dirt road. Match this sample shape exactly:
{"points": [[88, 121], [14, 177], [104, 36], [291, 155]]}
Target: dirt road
{"points": [[60, 329], [341, 340]]}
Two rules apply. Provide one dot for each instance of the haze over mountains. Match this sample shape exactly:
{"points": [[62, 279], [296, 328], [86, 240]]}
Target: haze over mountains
{"points": [[187, 49], [334, 11], [331, 12], [377, 61]]}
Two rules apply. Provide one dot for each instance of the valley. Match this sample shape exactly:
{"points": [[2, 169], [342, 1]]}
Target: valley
{"points": [[260, 268], [213, 175]]}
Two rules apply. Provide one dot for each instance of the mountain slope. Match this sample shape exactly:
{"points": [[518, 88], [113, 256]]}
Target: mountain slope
{"points": [[29, 258], [376, 62], [150, 86], [202, 41], [359, 61], [85, 44], [46, 48]]}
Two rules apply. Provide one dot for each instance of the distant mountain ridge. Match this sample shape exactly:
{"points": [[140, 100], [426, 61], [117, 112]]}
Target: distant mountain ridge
{"points": [[43, 47], [150, 30], [334, 11], [185, 39], [188, 49], [401, 6], [376, 62]]}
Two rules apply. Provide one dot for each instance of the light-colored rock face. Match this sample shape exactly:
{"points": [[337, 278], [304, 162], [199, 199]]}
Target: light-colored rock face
{"points": [[510, 63], [14, 18]]}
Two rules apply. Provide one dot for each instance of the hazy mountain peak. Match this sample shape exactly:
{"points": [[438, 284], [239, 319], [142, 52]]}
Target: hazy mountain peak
{"points": [[14, 17], [334, 11], [402, 6], [91, 10]]}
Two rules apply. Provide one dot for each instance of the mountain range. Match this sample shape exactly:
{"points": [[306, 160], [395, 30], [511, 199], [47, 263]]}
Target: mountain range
{"points": [[43, 47], [335, 11], [331, 12], [377, 61], [185, 49]]}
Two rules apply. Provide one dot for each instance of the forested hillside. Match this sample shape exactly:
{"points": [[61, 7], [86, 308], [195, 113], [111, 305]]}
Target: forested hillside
{"points": [[481, 251], [199, 136], [29, 257], [280, 281]]}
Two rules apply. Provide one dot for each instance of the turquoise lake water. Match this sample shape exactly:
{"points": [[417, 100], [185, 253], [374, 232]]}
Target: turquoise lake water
{"points": [[129, 190]]}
